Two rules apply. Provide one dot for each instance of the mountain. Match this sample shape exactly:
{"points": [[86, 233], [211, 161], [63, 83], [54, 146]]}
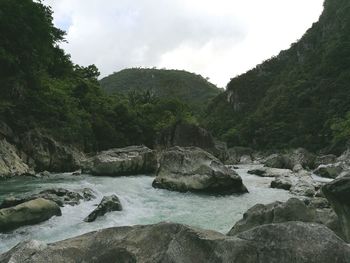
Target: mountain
{"points": [[299, 98], [189, 88]]}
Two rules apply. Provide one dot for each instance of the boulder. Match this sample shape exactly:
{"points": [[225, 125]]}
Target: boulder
{"points": [[131, 160], [193, 169], [291, 159], [11, 164], [325, 159], [108, 204], [329, 171], [338, 194], [303, 187], [58, 195], [277, 212], [291, 242], [27, 213], [283, 182], [50, 155]]}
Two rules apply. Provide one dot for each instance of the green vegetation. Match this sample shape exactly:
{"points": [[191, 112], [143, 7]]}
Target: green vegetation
{"points": [[42, 89], [190, 88], [299, 98]]}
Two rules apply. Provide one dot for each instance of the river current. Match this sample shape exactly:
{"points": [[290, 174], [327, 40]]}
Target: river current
{"points": [[142, 204]]}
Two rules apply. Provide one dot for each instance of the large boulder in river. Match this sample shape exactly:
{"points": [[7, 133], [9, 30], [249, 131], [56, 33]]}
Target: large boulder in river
{"points": [[193, 169], [338, 194], [28, 213], [291, 159], [131, 160], [292, 242], [108, 204], [277, 212]]}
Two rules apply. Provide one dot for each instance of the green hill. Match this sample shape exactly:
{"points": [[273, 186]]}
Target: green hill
{"points": [[299, 98], [187, 87]]}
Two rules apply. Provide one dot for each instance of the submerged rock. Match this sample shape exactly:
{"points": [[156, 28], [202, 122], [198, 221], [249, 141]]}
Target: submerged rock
{"points": [[131, 160], [338, 194], [292, 242], [193, 169], [27, 213], [108, 204]]}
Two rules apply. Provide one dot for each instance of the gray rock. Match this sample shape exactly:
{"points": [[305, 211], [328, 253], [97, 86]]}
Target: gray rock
{"points": [[271, 172], [325, 159], [277, 212], [303, 187], [11, 164], [292, 242], [28, 213], [108, 204], [187, 135], [193, 169], [291, 159], [240, 155], [329, 171], [338, 194], [131, 160], [58, 195], [283, 182], [48, 154]]}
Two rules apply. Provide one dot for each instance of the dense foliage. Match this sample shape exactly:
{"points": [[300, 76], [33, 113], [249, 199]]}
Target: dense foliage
{"points": [[299, 98], [188, 87], [42, 89]]}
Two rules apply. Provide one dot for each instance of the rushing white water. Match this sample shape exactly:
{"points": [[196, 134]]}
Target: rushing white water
{"points": [[142, 204]]}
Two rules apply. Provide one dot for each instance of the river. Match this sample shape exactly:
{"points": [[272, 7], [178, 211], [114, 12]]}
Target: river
{"points": [[142, 204]]}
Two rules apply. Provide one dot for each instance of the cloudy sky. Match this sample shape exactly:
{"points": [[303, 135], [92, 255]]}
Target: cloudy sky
{"points": [[218, 39]]}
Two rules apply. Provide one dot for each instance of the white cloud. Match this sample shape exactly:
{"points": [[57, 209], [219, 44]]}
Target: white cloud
{"points": [[217, 39]]}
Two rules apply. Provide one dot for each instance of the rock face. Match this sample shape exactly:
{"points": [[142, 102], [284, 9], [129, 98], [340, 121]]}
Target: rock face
{"points": [[338, 194], [193, 169], [11, 164], [58, 195], [186, 135], [108, 204], [131, 160], [49, 154], [277, 212], [292, 242], [28, 213]]}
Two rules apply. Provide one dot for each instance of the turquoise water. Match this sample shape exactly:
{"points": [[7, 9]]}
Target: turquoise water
{"points": [[141, 202]]}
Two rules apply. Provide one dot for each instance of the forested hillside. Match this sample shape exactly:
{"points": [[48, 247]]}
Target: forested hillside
{"points": [[42, 89], [190, 88], [299, 98]]}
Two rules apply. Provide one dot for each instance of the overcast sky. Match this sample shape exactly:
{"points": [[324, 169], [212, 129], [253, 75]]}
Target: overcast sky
{"points": [[218, 39]]}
